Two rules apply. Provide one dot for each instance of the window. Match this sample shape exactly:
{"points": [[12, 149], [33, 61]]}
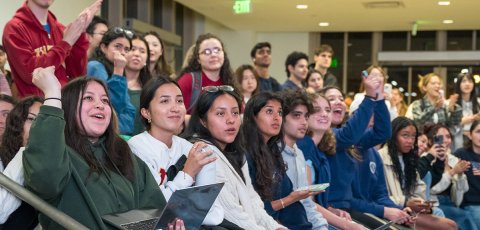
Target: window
{"points": [[359, 58], [398, 78], [157, 8], [131, 8], [394, 41], [423, 41], [459, 40]]}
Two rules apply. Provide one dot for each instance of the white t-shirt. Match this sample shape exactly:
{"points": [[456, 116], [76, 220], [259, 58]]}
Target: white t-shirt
{"points": [[159, 157]]}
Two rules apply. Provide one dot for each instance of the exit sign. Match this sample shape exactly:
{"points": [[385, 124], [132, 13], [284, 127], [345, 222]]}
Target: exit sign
{"points": [[241, 7]]}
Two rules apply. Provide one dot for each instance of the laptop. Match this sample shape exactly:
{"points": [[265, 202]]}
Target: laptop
{"points": [[191, 205]]}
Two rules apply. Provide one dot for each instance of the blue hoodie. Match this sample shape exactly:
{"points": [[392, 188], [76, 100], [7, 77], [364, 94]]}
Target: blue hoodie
{"points": [[321, 167], [343, 167], [369, 188]]}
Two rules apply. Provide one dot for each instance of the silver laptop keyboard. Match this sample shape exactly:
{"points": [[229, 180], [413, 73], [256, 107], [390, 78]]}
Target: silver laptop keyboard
{"points": [[141, 225]]}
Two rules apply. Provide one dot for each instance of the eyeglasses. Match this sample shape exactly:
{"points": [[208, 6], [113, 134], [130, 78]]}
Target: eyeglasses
{"points": [[208, 52], [128, 33], [214, 89]]}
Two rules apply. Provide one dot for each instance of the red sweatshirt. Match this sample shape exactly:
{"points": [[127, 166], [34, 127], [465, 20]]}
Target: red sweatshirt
{"points": [[29, 46]]}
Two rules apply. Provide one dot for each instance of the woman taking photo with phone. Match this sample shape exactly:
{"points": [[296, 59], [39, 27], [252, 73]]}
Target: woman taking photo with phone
{"points": [[449, 181]]}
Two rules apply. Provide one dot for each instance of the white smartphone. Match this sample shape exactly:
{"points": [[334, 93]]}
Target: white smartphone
{"points": [[387, 88]]}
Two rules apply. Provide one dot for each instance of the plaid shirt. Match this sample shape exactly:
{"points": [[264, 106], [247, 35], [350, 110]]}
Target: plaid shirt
{"points": [[424, 112]]}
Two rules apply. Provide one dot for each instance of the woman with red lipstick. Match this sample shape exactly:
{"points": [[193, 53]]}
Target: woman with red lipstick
{"points": [[217, 122], [137, 74], [174, 162], [75, 159], [209, 66]]}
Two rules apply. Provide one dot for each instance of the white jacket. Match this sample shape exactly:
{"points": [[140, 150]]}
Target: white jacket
{"points": [[242, 205]]}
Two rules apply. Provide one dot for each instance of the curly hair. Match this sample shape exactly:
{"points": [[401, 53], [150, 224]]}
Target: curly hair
{"points": [[12, 139], [226, 72], [409, 174], [267, 157]]}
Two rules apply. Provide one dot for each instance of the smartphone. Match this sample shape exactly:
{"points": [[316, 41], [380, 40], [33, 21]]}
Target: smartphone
{"points": [[430, 202], [442, 93], [438, 139], [387, 88], [364, 74]]}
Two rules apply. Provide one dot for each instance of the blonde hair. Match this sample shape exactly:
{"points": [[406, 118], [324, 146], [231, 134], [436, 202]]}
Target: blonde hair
{"points": [[424, 80]]}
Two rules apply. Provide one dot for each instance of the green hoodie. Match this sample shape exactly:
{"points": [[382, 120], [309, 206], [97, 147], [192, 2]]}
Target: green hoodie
{"points": [[59, 175]]}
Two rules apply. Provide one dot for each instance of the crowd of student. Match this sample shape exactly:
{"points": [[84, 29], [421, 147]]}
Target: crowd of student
{"points": [[132, 132]]}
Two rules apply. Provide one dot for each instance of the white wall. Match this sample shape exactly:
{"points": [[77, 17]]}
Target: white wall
{"points": [[239, 43], [65, 11]]}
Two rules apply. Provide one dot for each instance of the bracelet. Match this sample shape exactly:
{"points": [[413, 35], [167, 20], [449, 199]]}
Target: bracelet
{"points": [[283, 205], [373, 98], [52, 98]]}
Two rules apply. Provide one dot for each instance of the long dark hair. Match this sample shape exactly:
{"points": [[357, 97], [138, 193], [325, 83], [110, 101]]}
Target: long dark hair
{"points": [[234, 151], [226, 73], [110, 35], [161, 66], [473, 94], [117, 151], [144, 74], [148, 93], [267, 157], [12, 138], [409, 175]]}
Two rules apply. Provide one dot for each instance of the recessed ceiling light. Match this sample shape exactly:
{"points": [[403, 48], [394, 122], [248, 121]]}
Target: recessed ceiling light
{"points": [[323, 24], [447, 21], [302, 7], [444, 3]]}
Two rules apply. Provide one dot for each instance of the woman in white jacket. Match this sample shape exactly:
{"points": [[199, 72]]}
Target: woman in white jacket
{"points": [[216, 120]]}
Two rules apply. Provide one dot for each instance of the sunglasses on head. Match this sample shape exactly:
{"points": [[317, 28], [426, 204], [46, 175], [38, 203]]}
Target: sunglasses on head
{"points": [[213, 89], [119, 30]]}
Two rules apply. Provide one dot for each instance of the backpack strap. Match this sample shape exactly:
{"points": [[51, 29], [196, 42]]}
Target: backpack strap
{"points": [[196, 89]]}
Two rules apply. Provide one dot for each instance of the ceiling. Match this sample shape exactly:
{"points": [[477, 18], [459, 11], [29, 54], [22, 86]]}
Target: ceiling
{"points": [[342, 15]]}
